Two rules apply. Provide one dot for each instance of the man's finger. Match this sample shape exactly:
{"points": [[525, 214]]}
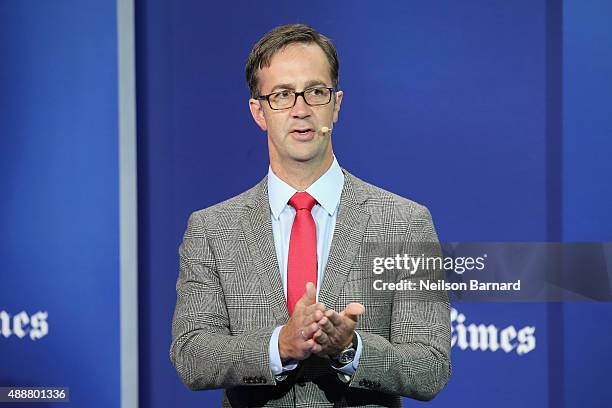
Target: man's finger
{"points": [[315, 316], [326, 325], [313, 308], [314, 346], [334, 317], [309, 330], [310, 295], [320, 337], [353, 311]]}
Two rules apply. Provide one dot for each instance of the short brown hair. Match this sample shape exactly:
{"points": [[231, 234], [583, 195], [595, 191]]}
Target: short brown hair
{"points": [[279, 38]]}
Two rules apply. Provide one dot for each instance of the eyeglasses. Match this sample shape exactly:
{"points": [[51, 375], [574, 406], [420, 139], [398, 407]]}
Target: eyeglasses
{"points": [[315, 96]]}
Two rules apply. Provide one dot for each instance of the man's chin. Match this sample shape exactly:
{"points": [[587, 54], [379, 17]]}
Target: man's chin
{"points": [[303, 158], [307, 156], [302, 153]]}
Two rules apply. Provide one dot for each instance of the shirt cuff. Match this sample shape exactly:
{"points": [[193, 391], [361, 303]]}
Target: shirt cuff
{"points": [[351, 367], [276, 365]]}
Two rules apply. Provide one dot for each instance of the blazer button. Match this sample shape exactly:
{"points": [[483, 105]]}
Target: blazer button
{"points": [[245, 380], [263, 380], [280, 377], [362, 382]]}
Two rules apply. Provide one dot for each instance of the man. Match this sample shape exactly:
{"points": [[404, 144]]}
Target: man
{"points": [[272, 299]]}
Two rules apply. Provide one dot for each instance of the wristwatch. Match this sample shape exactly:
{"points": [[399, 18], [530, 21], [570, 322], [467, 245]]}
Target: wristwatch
{"points": [[346, 356]]}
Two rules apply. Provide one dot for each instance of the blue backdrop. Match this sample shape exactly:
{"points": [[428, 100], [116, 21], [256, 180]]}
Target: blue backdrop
{"points": [[59, 246], [495, 115], [458, 105]]}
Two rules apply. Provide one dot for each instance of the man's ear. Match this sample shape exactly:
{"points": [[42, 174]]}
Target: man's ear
{"points": [[258, 114], [339, 96]]}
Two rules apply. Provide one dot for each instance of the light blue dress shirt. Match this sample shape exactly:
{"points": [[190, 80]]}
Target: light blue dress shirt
{"points": [[326, 190]]}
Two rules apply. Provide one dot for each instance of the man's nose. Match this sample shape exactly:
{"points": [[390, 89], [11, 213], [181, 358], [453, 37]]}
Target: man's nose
{"points": [[301, 108]]}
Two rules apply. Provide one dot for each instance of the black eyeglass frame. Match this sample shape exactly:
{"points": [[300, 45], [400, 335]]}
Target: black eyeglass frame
{"points": [[295, 96]]}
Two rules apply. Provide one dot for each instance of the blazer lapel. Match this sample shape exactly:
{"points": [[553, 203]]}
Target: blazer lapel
{"points": [[257, 226], [351, 224]]}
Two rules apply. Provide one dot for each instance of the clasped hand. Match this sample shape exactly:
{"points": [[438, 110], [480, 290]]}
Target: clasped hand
{"points": [[313, 329]]}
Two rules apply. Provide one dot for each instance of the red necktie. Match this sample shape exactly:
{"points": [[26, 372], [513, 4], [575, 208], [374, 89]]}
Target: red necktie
{"points": [[302, 259]]}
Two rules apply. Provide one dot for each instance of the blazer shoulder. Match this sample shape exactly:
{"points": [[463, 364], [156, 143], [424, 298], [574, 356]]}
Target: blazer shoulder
{"points": [[376, 199], [228, 211]]}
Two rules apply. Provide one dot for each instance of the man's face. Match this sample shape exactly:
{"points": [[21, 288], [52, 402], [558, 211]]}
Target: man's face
{"points": [[294, 134]]}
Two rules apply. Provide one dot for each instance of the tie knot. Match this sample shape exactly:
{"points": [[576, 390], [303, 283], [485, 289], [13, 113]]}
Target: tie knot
{"points": [[302, 201]]}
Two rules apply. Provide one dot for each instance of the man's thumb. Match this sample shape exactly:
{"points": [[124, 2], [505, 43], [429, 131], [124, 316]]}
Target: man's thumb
{"points": [[310, 296], [353, 311]]}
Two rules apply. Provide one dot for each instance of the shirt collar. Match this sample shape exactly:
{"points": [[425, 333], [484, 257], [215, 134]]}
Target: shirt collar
{"points": [[326, 190]]}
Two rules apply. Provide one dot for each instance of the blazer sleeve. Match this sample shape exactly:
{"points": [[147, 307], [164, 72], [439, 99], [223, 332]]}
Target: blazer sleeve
{"points": [[415, 360], [204, 352]]}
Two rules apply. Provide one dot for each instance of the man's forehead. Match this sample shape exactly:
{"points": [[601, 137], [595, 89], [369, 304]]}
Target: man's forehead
{"points": [[296, 65]]}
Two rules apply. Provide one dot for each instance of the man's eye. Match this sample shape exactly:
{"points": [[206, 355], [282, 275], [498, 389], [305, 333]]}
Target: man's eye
{"points": [[317, 91], [282, 95]]}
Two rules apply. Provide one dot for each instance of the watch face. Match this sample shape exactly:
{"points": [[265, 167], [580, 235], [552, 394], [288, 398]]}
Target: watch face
{"points": [[347, 356]]}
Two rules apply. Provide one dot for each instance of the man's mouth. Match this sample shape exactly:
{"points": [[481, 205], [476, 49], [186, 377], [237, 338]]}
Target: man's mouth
{"points": [[301, 131], [303, 134]]}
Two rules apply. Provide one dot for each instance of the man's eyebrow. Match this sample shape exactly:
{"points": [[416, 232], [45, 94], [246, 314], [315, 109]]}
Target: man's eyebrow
{"points": [[291, 87]]}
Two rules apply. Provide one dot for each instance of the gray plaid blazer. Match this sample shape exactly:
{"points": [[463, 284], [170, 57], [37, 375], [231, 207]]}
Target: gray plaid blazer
{"points": [[230, 298]]}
